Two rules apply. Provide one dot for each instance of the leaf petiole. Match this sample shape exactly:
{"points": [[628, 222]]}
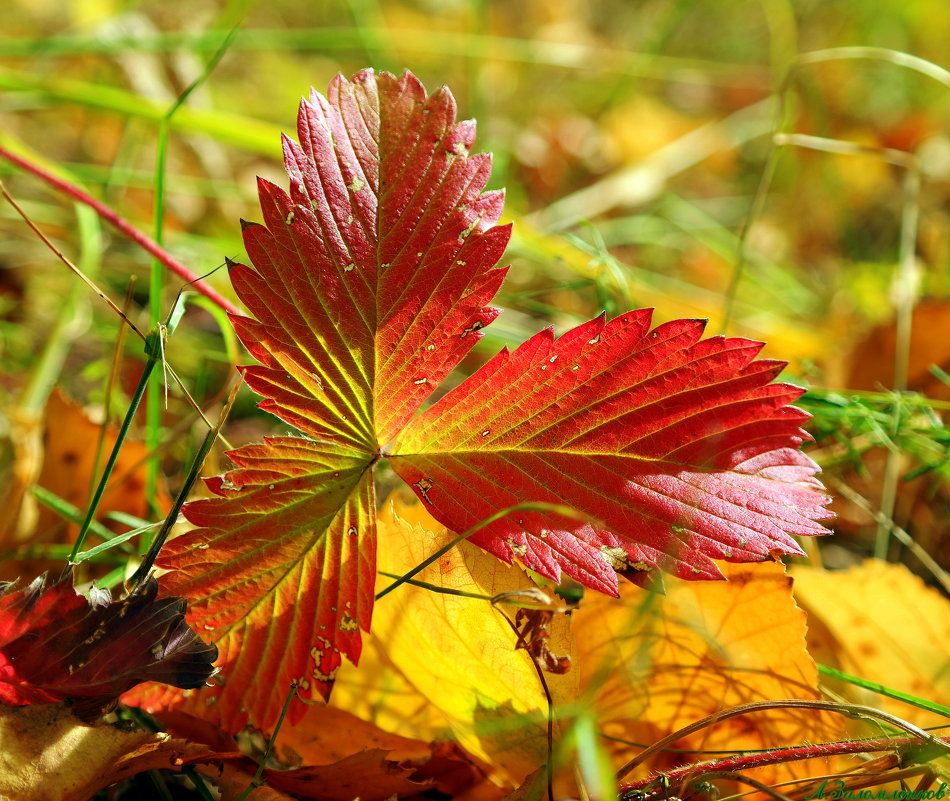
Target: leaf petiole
{"points": [[435, 588]]}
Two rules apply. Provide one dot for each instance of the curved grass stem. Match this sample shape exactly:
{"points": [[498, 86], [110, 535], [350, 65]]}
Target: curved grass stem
{"points": [[120, 224]]}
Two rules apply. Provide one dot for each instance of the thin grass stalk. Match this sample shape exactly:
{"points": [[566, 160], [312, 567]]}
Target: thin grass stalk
{"points": [[156, 544], [124, 227], [153, 359], [153, 407], [256, 781], [533, 505], [905, 285]]}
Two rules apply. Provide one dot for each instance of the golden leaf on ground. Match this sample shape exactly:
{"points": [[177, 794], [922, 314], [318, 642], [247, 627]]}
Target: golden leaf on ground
{"points": [[658, 663], [46, 754], [459, 652], [880, 622], [377, 692], [18, 512]]}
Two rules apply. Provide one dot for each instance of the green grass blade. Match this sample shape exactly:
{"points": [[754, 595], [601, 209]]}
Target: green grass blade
{"points": [[84, 555], [69, 512], [880, 689], [209, 440], [231, 129], [153, 408], [123, 432]]}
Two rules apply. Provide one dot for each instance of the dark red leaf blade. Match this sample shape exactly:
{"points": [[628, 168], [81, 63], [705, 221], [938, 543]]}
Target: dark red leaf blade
{"points": [[57, 645], [679, 450], [279, 574], [371, 278]]}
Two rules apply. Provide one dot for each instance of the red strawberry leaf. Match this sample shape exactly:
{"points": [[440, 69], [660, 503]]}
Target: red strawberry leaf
{"points": [[370, 279], [369, 284], [679, 450], [280, 573], [57, 645]]}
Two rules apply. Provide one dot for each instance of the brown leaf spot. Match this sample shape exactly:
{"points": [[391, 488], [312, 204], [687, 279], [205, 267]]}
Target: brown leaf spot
{"points": [[620, 561], [423, 485], [518, 550]]}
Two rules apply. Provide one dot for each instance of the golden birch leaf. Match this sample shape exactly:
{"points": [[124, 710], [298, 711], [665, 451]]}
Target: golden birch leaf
{"points": [[880, 622], [458, 652]]}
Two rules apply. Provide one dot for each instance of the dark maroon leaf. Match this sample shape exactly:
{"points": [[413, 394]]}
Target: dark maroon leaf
{"points": [[57, 645]]}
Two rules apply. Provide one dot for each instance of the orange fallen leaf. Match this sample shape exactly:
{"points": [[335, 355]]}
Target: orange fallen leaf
{"points": [[657, 664], [872, 360], [880, 622], [70, 444], [232, 781], [337, 757], [326, 735], [369, 775], [58, 454]]}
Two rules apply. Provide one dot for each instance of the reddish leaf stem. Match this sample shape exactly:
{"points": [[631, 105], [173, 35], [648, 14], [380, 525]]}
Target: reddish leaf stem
{"points": [[702, 770], [848, 710], [124, 227]]}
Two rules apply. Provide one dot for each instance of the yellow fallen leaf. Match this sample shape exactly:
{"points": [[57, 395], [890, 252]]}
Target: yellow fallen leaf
{"points": [[657, 663], [880, 622], [377, 692], [459, 653], [46, 754]]}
